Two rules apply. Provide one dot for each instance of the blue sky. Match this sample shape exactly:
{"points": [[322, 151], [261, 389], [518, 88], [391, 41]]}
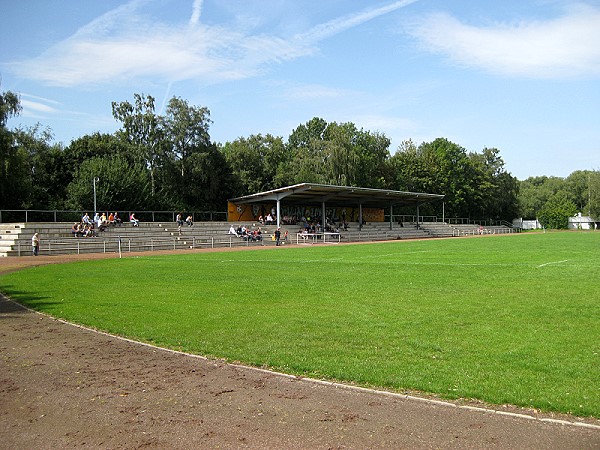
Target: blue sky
{"points": [[520, 76]]}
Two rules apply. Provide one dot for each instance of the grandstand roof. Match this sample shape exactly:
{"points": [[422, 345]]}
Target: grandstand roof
{"points": [[315, 194]]}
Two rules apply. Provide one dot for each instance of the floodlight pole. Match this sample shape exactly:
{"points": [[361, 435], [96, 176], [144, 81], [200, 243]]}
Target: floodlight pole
{"points": [[96, 179]]}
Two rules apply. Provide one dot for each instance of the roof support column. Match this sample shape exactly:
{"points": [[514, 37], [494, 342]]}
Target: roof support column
{"points": [[360, 218], [391, 215], [323, 218], [278, 213], [417, 216]]}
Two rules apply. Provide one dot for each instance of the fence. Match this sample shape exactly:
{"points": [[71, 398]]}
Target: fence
{"points": [[123, 245], [40, 215]]}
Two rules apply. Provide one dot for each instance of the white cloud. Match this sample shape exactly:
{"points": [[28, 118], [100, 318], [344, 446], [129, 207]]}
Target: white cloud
{"points": [[196, 10], [563, 47], [341, 24], [124, 44], [34, 108], [311, 92]]}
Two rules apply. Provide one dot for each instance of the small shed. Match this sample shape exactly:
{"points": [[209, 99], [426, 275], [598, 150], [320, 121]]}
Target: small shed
{"points": [[581, 222]]}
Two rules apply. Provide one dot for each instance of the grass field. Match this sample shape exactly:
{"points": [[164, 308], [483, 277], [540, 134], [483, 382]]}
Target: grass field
{"points": [[508, 319]]}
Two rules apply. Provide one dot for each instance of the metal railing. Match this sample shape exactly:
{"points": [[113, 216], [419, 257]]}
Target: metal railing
{"points": [[41, 215]]}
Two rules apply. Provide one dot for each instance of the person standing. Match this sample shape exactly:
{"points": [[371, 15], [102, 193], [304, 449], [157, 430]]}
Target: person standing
{"points": [[35, 244], [278, 236], [179, 222]]}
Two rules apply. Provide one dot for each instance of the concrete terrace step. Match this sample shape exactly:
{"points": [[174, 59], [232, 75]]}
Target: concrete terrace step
{"points": [[56, 238]]}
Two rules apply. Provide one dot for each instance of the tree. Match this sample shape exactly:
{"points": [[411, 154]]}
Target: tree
{"points": [[141, 127], [450, 174], [122, 185], [45, 183], [556, 212], [257, 162], [186, 129], [195, 171], [407, 169], [534, 193], [208, 181], [13, 162], [10, 106], [593, 206], [577, 186], [337, 154], [496, 191], [95, 145]]}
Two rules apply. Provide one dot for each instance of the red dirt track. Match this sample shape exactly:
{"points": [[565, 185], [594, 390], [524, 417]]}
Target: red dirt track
{"points": [[62, 386]]}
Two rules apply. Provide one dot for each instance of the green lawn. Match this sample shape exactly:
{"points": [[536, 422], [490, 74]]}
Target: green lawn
{"points": [[507, 319]]}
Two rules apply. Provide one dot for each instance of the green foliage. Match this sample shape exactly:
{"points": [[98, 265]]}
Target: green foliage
{"points": [[10, 106], [594, 195], [556, 212], [509, 319], [337, 154], [188, 171], [579, 188], [141, 128], [14, 180], [258, 162], [475, 185], [121, 185], [44, 178]]}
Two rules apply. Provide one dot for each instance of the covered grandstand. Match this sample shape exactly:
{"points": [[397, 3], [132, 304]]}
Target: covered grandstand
{"points": [[329, 196]]}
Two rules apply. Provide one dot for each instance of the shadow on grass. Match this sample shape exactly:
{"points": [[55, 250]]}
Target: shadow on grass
{"points": [[14, 302]]}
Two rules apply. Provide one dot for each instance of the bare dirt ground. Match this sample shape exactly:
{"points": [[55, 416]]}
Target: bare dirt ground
{"points": [[62, 386]]}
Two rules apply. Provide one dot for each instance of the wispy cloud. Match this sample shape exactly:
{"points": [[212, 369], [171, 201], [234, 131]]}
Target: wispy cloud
{"points": [[34, 108], [124, 45], [563, 47], [196, 10], [38, 107], [341, 24]]}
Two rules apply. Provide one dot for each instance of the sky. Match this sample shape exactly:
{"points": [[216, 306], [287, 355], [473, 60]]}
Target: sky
{"points": [[522, 76]]}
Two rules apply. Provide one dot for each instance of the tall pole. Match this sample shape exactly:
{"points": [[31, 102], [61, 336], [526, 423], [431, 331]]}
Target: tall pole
{"points": [[96, 179]]}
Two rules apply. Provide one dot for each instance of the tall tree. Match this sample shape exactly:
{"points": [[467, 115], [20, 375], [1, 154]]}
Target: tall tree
{"points": [[577, 187], [121, 185], [13, 162], [593, 206], [141, 127], [46, 183], [534, 193], [495, 189], [257, 162], [450, 172], [186, 128], [195, 174], [338, 154]]}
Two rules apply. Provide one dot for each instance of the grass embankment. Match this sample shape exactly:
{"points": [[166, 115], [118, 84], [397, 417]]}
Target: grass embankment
{"points": [[508, 319]]}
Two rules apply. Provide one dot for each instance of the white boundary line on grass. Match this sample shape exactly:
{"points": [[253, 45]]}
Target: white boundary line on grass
{"points": [[552, 262], [322, 382]]}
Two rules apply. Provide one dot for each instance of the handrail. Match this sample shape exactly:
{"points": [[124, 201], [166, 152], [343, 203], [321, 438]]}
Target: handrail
{"points": [[66, 215]]}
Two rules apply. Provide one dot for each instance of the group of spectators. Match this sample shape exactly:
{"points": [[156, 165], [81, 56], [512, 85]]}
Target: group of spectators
{"points": [[89, 227], [189, 221], [316, 227], [246, 233], [269, 220], [256, 234]]}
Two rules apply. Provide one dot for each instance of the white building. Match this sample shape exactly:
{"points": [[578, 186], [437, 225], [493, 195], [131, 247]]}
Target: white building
{"points": [[526, 224], [580, 222]]}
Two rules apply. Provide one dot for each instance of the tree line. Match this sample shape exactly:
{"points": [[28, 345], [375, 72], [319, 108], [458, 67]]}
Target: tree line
{"points": [[169, 162]]}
